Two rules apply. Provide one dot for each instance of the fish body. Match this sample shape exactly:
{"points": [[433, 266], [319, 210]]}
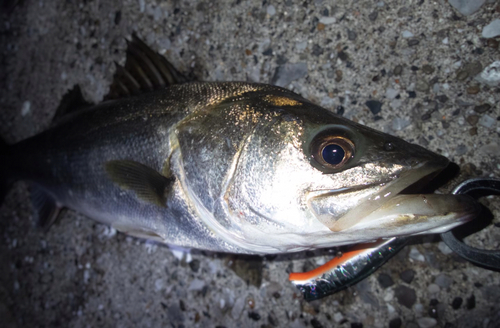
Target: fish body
{"points": [[231, 167]]}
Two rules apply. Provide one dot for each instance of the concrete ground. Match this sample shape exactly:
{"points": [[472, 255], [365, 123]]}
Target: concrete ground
{"points": [[417, 59]]}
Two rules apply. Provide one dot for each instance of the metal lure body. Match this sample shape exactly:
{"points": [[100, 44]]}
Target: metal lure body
{"points": [[347, 270]]}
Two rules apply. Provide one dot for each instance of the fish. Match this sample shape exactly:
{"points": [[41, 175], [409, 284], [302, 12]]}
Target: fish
{"points": [[230, 167]]}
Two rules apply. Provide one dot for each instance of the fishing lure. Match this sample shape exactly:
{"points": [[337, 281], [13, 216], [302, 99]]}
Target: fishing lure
{"points": [[364, 259]]}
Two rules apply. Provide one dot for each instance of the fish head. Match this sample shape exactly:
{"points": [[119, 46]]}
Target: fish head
{"points": [[272, 173], [367, 186], [307, 178]]}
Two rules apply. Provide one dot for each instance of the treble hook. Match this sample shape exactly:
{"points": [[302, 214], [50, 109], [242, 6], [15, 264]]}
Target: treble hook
{"points": [[486, 258], [364, 259]]}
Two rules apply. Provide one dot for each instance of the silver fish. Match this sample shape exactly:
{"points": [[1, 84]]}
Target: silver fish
{"points": [[231, 167]]}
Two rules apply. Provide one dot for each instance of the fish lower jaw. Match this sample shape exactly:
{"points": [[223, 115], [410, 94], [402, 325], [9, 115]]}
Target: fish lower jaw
{"points": [[386, 195], [445, 228], [419, 214]]}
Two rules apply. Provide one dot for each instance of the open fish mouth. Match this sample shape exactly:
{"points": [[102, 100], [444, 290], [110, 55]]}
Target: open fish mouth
{"points": [[388, 211]]}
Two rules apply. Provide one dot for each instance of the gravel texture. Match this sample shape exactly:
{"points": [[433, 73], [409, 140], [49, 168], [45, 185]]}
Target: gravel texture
{"points": [[407, 68]]}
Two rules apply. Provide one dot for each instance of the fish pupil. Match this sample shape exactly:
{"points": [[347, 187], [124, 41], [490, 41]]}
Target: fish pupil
{"points": [[389, 146], [333, 154]]}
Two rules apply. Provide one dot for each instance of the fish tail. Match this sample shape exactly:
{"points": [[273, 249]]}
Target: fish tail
{"points": [[6, 178]]}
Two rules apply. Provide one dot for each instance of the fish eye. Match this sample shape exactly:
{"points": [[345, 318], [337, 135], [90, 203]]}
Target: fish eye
{"points": [[389, 146], [333, 154], [332, 151]]}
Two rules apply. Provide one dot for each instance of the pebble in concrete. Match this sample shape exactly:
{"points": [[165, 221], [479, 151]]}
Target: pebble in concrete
{"points": [[467, 7], [492, 29], [406, 296]]}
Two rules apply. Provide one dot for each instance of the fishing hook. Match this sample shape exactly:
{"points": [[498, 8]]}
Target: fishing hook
{"points": [[489, 259], [364, 259]]}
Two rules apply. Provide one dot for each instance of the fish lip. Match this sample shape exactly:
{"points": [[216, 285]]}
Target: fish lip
{"points": [[410, 214], [331, 192], [392, 188], [471, 208]]}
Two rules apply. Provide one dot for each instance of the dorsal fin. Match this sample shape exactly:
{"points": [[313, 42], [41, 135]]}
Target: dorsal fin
{"points": [[144, 70], [71, 102]]}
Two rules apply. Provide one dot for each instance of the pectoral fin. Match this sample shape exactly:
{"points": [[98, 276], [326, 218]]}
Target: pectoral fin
{"points": [[139, 232], [148, 184]]}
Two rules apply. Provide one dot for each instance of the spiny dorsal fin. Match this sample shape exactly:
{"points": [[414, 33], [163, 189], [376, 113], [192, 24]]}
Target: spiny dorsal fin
{"points": [[46, 208], [149, 185], [144, 70], [71, 102], [165, 69]]}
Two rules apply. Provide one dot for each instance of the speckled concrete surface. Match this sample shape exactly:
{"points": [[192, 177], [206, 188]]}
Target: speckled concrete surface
{"points": [[417, 59]]}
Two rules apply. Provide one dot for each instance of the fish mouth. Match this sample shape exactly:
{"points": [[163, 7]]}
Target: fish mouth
{"points": [[390, 211]]}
